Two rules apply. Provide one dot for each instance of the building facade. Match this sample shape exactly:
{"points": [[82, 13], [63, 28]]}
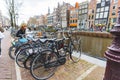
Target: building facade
{"points": [[91, 14], [50, 20], [102, 13], [83, 15], [65, 14], [41, 20], [74, 16], [54, 17], [113, 13]]}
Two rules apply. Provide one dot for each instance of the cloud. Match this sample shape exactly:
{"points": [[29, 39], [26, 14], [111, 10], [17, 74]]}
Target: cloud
{"points": [[36, 7]]}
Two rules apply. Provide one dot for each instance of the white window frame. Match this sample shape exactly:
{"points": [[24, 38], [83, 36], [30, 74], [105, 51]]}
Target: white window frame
{"points": [[86, 5], [103, 4], [98, 9], [105, 14], [101, 15], [97, 15], [102, 9], [85, 10], [107, 8]]}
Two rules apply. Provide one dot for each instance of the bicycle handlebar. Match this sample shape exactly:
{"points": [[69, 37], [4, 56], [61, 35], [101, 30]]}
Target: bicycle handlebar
{"points": [[68, 33]]}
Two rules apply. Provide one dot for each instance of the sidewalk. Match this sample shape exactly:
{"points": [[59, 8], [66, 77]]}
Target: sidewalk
{"points": [[7, 66], [87, 68]]}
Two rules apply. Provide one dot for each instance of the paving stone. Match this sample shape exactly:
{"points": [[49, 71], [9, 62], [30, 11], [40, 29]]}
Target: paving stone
{"points": [[7, 67], [69, 71], [96, 74]]}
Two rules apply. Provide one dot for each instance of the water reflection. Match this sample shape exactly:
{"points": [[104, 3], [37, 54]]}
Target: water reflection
{"points": [[94, 46]]}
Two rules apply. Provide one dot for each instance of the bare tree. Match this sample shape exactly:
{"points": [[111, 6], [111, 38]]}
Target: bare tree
{"points": [[13, 8]]}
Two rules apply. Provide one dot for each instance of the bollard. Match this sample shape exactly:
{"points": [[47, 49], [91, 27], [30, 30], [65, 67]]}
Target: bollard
{"points": [[112, 71]]}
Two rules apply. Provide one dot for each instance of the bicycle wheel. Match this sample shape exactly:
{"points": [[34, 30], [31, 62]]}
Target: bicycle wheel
{"points": [[12, 52], [35, 51], [21, 57], [27, 62], [44, 65], [75, 50]]}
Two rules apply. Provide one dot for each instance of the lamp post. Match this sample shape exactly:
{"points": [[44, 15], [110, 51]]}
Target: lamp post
{"points": [[112, 71], [108, 27]]}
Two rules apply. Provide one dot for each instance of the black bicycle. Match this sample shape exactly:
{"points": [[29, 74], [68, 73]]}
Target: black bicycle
{"points": [[45, 64]]}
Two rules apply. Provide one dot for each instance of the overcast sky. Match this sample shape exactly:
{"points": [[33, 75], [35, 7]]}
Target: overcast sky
{"points": [[30, 8]]}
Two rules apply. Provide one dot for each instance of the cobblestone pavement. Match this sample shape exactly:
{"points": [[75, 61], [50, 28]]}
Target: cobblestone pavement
{"points": [[96, 74], [71, 71], [68, 71], [7, 66]]}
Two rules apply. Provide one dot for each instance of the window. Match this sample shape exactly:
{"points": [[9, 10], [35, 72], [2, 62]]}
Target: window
{"points": [[103, 0], [96, 22], [82, 11], [104, 21], [101, 15], [115, 1], [103, 4], [85, 10], [76, 21], [82, 6], [92, 16], [73, 21], [86, 6], [105, 14], [89, 17], [92, 11], [113, 13], [98, 10], [106, 8], [113, 7], [100, 21], [102, 9], [114, 20], [97, 15]]}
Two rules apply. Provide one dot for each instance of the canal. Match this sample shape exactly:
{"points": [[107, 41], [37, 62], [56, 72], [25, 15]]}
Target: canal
{"points": [[94, 43]]}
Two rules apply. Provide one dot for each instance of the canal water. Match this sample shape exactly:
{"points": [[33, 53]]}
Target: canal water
{"points": [[94, 46]]}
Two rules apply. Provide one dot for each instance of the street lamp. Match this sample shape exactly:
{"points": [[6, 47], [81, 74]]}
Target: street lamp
{"points": [[109, 24], [112, 71]]}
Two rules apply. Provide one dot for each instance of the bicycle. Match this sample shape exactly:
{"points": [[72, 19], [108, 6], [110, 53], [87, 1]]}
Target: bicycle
{"points": [[16, 43], [43, 45], [24, 56], [43, 41], [44, 64]]}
